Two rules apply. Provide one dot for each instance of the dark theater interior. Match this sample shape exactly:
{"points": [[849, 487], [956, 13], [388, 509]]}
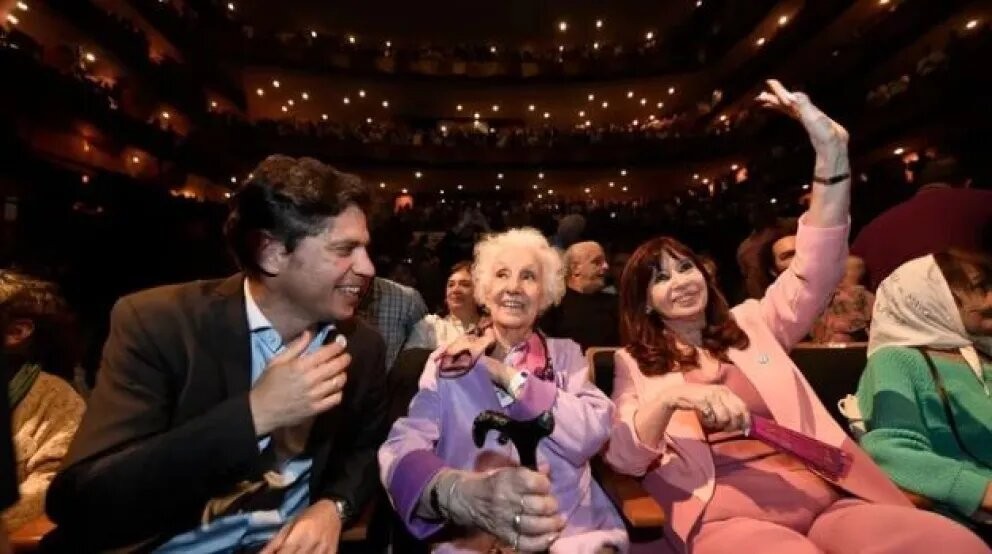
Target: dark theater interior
{"points": [[714, 274]]}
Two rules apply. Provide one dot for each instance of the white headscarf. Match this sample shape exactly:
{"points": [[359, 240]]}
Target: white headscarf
{"points": [[914, 307]]}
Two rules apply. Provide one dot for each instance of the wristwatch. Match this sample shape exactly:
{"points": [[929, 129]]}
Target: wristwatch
{"points": [[344, 510]]}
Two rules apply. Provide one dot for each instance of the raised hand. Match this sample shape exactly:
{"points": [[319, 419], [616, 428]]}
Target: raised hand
{"points": [[296, 386], [825, 134]]}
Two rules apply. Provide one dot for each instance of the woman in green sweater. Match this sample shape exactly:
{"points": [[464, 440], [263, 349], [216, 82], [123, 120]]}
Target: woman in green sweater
{"points": [[925, 394]]}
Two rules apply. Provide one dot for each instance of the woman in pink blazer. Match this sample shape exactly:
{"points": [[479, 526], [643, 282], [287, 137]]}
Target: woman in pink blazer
{"points": [[694, 372]]}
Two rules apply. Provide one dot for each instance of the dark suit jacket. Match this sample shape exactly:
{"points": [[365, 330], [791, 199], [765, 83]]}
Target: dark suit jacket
{"points": [[169, 427]]}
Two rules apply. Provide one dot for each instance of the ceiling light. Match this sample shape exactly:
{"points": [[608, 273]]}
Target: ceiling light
{"points": [[534, 187], [22, 6], [561, 47], [291, 102], [671, 90], [760, 41], [442, 193], [166, 115], [550, 191], [591, 97], [773, 201], [85, 179], [135, 159], [971, 24], [497, 187], [783, 20], [284, 108], [492, 49], [699, 3], [275, 84], [495, 107], [389, 44], [630, 94], [582, 113], [230, 6], [723, 117], [346, 100], [361, 93], [660, 105], [547, 115], [706, 181], [460, 187], [595, 46], [649, 35], [587, 190], [623, 172], [734, 167], [540, 196], [540, 175], [444, 128], [418, 174], [405, 191], [635, 123], [12, 19], [305, 95], [234, 179], [599, 23], [695, 176], [624, 188], [476, 115], [323, 116], [382, 185], [605, 104], [651, 117], [260, 92], [563, 26], [644, 101], [458, 107], [883, 2], [531, 107], [368, 120], [213, 103], [90, 57], [351, 39], [313, 34], [899, 151], [588, 123], [385, 103], [612, 184]]}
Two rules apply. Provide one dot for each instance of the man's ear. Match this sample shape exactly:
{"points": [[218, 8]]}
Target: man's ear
{"points": [[18, 333], [272, 254]]}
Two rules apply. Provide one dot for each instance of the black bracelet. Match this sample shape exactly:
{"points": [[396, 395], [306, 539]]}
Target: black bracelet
{"points": [[831, 180]]}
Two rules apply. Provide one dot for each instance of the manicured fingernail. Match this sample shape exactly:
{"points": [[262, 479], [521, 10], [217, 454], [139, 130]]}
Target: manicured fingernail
{"points": [[340, 339]]}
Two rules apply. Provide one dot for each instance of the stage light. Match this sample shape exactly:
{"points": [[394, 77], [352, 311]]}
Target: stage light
{"points": [[368, 120], [404, 191], [234, 179], [612, 184], [723, 117], [540, 175], [285, 109], [460, 187], [587, 190], [497, 187], [624, 188]]}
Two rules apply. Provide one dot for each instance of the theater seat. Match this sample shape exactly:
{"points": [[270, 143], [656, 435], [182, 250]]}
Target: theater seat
{"points": [[643, 515], [27, 538], [832, 370]]}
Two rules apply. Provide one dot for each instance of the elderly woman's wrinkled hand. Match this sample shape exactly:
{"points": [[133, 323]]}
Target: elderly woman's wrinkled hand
{"points": [[459, 356], [515, 504]]}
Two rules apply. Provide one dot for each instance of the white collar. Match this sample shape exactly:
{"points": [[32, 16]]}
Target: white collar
{"points": [[256, 319]]}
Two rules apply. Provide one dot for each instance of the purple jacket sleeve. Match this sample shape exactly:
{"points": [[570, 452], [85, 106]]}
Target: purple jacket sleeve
{"points": [[583, 414], [799, 295], [407, 462]]}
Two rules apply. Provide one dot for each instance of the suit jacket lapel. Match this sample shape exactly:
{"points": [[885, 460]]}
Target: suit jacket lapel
{"points": [[228, 329]]}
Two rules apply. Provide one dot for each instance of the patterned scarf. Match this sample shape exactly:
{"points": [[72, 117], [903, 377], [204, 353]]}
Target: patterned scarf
{"points": [[21, 383]]}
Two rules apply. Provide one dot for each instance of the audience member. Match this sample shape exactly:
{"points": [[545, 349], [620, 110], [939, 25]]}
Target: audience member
{"points": [[477, 499], [848, 314], [394, 310], [698, 377], [38, 337], [943, 214], [221, 420], [924, 395], [460, 317], [585, 314]]}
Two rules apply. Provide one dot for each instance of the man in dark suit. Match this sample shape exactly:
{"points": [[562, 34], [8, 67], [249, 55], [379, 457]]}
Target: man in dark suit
{"points": [[240, 414]]}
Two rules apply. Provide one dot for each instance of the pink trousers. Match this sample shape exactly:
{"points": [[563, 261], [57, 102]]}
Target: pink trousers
{"points": [[847, 526]]}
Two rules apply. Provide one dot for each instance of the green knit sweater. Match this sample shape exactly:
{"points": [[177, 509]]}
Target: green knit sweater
{"points": [[908, 432]]}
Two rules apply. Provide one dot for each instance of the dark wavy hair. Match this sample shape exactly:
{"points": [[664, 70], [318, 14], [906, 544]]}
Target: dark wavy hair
{"points": [[290, 199], [645, 335], [786, 227], [55, 343]]}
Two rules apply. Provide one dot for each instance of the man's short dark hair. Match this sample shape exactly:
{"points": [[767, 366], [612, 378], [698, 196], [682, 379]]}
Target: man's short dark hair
{"points": [[289, 199], [945, 170]]}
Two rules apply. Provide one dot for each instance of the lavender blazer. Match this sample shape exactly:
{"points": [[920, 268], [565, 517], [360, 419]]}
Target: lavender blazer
{"points": [[437, 434], [679, 472]]}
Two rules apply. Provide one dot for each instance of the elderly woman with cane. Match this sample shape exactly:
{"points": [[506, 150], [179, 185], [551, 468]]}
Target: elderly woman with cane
{"points": [[478, 499]]}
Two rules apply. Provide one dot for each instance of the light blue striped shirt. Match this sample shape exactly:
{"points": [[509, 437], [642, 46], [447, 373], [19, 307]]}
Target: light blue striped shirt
{"points": [[227, 533]]}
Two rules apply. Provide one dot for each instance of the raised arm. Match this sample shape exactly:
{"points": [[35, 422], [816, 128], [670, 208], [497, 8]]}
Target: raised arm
{"points": [[798, 296]]}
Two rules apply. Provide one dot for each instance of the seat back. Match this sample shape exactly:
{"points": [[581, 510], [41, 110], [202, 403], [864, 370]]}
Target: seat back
{"points": [[832, 370], [600, 361]]}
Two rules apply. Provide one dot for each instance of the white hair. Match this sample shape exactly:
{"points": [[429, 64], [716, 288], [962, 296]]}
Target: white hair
{"points": [[488, 250]]}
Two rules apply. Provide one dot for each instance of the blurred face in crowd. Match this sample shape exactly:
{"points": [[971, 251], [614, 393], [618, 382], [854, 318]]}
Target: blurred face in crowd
{"points": [[975, 303], [678, 289], [588, 267], [515, 294], [783, 250], [458, 291], [325, 275], [854, 271], [617, 264]]}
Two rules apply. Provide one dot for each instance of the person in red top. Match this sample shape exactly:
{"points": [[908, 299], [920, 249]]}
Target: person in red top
{"points": [[943, 214]]}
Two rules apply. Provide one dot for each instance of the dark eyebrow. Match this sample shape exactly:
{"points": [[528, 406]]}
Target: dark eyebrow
{"points": [[349, 244]]}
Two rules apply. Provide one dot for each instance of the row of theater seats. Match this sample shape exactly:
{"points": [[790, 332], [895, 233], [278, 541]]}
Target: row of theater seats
{"points": [[833, 372]]}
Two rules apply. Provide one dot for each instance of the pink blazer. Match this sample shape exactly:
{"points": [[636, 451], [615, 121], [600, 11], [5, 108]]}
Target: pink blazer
{"points": [[679, 472]]}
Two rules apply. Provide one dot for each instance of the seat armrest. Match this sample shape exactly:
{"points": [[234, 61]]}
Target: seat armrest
{"points": [[27, 537], [638, 508], [359, 531]]}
